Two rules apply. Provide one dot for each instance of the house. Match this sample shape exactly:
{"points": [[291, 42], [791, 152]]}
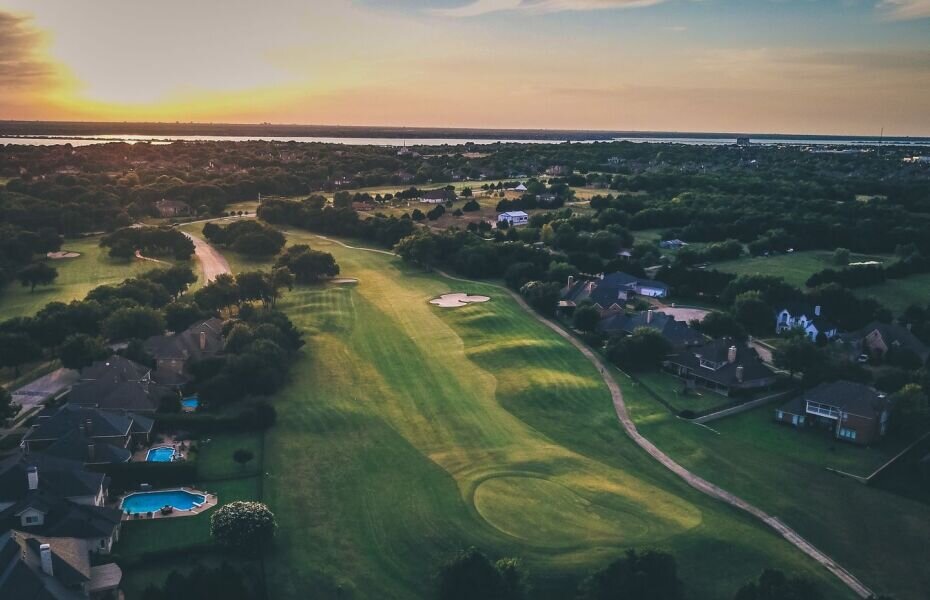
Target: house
{"points": [[514, 218], [118, 384], [675, 244], [608, 293], [724, 366], [806, 318], [174, 352], [34, 567], [440, 196], [547, 199], [49, 496], [676, 333], [850, 411], [172, 208], [878, 339], [559, 170], [743, 140], [519, 188], [88, 435], [613, 161]]}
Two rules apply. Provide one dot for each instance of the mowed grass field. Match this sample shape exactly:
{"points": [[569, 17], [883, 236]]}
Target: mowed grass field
{"points": [[795, 268], [76, 277], [410, 432], [784, 472]]}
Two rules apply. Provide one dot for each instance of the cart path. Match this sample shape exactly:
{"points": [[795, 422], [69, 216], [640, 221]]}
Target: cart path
{"points": [[695, 481], [211, 261]]}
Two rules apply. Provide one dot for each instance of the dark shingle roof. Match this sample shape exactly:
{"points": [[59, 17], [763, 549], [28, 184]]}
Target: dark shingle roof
{"points": [[186, 344], [64, 478], [717, 351], [677, 333], [21, 576], [850, 397], [63, 518], [607, 290], [77, 446], [117, 395], [116, 367], [893, 335], [72, 416]]}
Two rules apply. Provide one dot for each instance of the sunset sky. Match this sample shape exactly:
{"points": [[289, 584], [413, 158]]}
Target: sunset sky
{"points": [[792, 66]]}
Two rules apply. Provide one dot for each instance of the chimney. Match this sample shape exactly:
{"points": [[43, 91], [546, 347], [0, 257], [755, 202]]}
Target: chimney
{"points": [[45, 553], [91, 452], [203, 340], [32, 477], [731, 354], [648, 316], [739, 373], [88, 426], [817, 311], [571, 281]]}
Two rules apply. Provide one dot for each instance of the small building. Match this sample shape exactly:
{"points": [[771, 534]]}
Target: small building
{"points": [[743, 141], [118, 384], [850, 411], [514, 218], [440, 196], [677, 333], [608, 293], [724, 366], [559, 170], [806, 318], [172, 208], [519, 188], [174, 352]]}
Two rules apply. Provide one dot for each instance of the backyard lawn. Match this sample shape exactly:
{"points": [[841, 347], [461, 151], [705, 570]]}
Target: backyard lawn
{"points": [[898, 294], [784, 472], [410, 432], [671, 390], [76, 277]]}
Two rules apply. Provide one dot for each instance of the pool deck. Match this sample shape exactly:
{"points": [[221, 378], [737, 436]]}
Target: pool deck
{"points": [[210, 500]]}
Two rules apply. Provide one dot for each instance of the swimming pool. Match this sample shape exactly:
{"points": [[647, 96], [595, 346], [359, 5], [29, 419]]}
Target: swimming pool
{"points": [[143, 502], [160, 454], [191, 403]]}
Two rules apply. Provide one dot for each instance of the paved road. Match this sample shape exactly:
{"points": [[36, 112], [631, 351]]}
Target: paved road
{"points": [[39, 390], [690, 478], [212, 262]]}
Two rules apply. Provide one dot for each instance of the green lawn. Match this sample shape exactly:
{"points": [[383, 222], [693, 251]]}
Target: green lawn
{"points": [[783, 471], [795, 268], [670, 389], [409, 432], [898, 294], [76, 277]]}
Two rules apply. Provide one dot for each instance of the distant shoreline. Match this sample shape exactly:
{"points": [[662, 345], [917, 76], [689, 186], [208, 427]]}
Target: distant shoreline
{"points": [[89, 130]]}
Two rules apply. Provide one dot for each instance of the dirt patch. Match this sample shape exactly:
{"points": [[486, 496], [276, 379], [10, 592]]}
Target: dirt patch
{"points": [[62, 254], [457, 300]]}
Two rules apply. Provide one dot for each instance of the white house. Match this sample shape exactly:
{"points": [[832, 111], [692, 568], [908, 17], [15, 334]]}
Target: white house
{"points": [[514, 218], [806, 318]]}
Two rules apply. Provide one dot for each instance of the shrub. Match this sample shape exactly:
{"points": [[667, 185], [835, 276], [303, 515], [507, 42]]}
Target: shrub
{"points": [[243, 526]]}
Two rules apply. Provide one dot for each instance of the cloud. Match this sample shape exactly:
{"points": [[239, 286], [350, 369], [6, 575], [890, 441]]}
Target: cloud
{"points": [[482, 7], [905, 9], [21, 62]]}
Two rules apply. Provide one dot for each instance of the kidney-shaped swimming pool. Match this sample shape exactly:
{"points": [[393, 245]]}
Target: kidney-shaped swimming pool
{"points": [[143, 502]]}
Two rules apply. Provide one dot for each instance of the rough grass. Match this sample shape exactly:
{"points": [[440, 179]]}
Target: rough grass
{"points": [[783, 471], [898, 294], [76, 277], [410, 431]]}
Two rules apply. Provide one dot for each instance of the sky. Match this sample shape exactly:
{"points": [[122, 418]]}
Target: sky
{"points": [[756, 66]]}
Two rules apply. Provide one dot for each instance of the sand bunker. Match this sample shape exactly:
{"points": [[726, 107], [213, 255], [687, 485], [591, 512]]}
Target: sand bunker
{"points": [[59, 255], [457, 300], [344, 280]]}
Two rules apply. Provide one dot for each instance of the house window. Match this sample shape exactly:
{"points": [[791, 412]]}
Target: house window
{"points": [[849, 434], [779, 415], [31, 520]]}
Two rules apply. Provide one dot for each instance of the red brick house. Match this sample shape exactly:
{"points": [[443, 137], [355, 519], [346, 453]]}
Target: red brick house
{"points": [[850, 411]]}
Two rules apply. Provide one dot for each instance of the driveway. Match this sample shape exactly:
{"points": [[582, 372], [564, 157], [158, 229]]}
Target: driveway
{"points": [[212, 262]]}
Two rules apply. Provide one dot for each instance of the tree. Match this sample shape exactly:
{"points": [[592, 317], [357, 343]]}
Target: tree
{"points": [[753, 313], [719, 324], [175, 279], [775, 585], [308, 265], [541, 296], [281, 278], [470, 575], [37, 274], [641, 351], [841, 257], [651, 574], [797, 354], [17, 349], [243, 526], [243, 456], [910, 406], [586, 318], [8, 409], [135, 322], [81, 350]]}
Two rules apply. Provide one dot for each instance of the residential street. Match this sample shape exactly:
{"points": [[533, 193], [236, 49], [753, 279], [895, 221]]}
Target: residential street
{"points": [[212, 262]]}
